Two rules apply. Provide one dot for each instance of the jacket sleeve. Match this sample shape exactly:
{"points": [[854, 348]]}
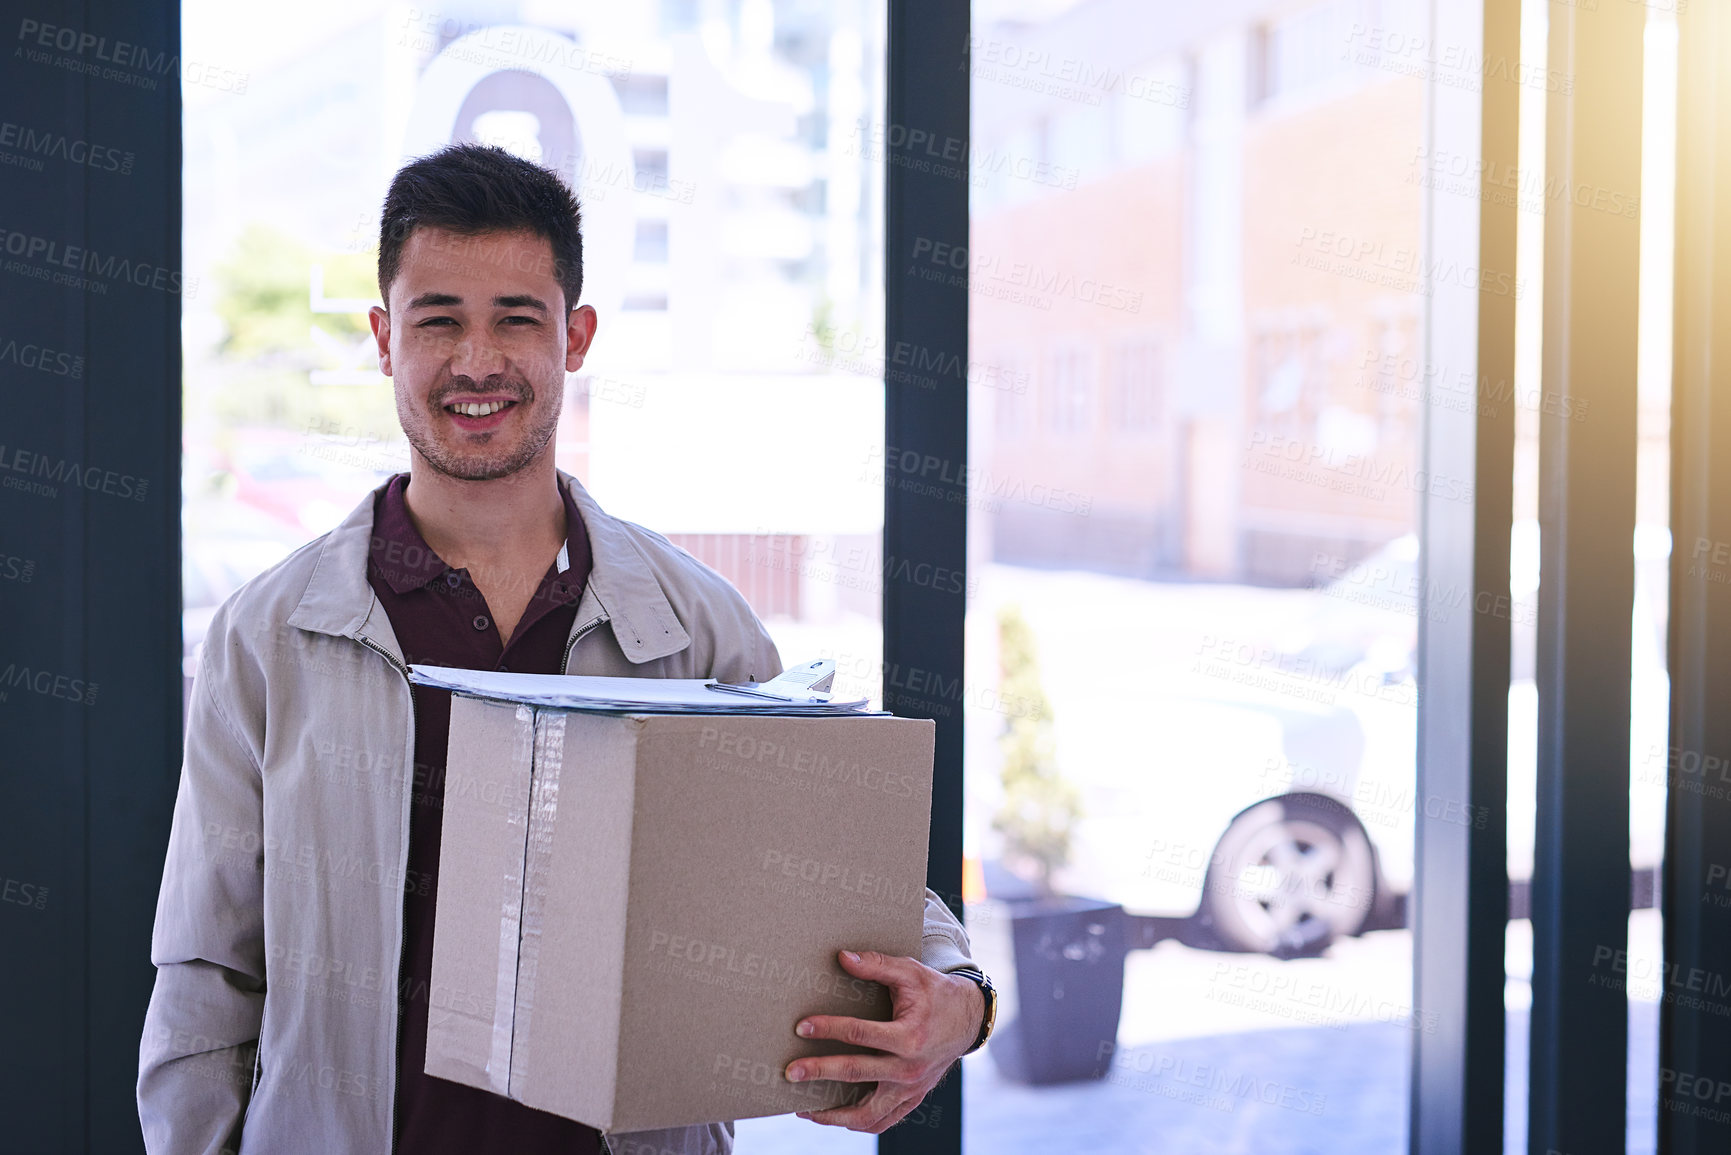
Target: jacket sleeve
{"points": [[944, 944], [196, 1058], [743, 649]]}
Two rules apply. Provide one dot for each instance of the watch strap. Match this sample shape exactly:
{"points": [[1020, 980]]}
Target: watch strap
{"points": [[990, 993]]}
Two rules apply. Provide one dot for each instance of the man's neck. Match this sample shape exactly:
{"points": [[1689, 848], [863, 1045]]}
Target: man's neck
{"points": [[487, 524]]}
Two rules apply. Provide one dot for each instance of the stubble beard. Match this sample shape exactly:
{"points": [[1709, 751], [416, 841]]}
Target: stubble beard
{"points": [[478, 464]]}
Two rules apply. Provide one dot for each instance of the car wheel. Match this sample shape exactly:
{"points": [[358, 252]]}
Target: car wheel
{"points": [[1289, 876]]}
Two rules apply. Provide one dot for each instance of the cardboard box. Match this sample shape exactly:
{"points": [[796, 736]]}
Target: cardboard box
{"points": [[635, 910]]}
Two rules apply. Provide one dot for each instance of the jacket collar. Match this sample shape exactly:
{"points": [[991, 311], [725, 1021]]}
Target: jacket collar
{"points": [[622, 589]]}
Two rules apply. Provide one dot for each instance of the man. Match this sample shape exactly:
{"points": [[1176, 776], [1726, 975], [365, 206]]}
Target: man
{"points": [[294, 930]]}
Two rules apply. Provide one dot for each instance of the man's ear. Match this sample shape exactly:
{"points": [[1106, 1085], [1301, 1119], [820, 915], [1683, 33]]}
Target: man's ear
{"points": [[381, 323], [579, 332]]}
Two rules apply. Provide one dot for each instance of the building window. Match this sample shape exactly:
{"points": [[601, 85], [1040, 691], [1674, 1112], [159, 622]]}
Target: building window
{"points": [[1401, 381], [1069, 390], [1308, 48], [1137, 381], [1287, 377], [651, 243], [1012, 392]]}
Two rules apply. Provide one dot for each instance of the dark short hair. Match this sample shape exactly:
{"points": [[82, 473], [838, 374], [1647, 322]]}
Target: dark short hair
{"points": [[470, 189]]}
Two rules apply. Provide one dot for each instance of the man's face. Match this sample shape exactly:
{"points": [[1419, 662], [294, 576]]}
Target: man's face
{"points": [[477, 341]]}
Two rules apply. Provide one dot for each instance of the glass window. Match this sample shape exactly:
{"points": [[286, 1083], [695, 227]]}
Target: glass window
{"points": [[1190, 776], [728, 158]]}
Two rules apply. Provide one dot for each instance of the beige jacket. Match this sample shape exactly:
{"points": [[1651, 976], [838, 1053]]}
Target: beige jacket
{"points": [[273, 1024]]}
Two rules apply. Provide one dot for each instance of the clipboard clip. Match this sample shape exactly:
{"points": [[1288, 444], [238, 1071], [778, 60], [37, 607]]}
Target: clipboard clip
{"points": [[802, 683]]}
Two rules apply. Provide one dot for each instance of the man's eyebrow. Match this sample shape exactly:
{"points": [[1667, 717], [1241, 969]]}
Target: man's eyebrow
{"points": [[520, 301], [434, 300]]}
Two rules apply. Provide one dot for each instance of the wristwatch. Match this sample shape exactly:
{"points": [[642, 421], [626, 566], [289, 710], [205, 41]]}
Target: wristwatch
{"points": [[990, 1018]]}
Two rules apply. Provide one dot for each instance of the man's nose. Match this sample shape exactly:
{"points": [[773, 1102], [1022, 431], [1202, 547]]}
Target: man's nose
{"points": [[477, 356]]}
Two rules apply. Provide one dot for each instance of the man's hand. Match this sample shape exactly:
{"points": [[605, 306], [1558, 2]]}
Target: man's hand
{"points": [[937, 1017]]}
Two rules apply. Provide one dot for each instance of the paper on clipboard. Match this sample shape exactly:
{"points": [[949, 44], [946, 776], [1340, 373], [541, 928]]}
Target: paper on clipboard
{"points": [[637, 695]]}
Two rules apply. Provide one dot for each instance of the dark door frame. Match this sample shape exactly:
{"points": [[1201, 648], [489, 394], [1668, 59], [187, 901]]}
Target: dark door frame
{"points": [[926, 421], [90, 648]]}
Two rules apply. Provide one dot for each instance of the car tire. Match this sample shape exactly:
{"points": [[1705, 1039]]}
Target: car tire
{"points": [[1289, 876]]}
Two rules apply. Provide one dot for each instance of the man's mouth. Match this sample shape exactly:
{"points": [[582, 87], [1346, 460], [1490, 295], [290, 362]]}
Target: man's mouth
{"points": [[477, 408], [479, 416]]}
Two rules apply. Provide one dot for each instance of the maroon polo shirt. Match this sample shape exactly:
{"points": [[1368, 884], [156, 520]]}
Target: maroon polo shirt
{"points": [[441, 619]]}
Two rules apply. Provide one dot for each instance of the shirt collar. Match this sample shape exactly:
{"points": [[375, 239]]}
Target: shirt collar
{"points": [[404, 559], [622, 584], [399, 553]]}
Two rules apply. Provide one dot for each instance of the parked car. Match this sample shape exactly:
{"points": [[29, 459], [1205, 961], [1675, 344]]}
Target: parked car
{"points": [[307, 481], [1247, 756]]}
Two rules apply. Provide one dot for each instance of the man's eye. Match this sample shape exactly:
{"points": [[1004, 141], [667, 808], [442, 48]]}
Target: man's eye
{"points": [[436, 321], [524, 320]]}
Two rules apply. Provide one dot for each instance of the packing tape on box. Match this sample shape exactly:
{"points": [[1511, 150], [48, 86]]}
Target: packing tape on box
{"points": [[537, 864], [510, 919]]}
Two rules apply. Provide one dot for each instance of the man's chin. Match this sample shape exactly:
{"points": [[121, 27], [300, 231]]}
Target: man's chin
{"points": [[477, 467], [462, 459], [478, 471]]}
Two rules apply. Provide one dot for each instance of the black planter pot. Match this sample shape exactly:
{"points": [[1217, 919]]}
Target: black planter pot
{"points": [[1069, 990]]}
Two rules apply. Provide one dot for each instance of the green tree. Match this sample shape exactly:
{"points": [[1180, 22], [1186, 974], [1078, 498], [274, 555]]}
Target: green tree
{"points": [[1040, 808], [263, 297]]}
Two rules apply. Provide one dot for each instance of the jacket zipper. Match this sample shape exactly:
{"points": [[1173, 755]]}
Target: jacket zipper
{"points": [[258, 1054], [582, 632], [257, 1061], [385, 654], [397, 1023]]}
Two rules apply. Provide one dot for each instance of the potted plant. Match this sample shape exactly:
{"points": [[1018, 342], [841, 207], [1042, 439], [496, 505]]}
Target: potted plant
{"points": [[1069, 951]]}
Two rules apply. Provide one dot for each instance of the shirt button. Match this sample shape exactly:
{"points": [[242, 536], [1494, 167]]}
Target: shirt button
{"points": [[452, 580], [481, 622]]}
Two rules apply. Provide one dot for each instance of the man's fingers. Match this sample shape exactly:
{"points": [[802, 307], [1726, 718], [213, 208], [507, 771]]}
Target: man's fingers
{"points": [[893, 971], [879, 1036], [897, 1114], [878, 1113], [851, 1069]]}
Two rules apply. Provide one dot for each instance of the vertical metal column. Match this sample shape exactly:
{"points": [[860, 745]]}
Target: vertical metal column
{"points": [[926, 423], [1460, 901], [1586, 591], [1694, 1030]]}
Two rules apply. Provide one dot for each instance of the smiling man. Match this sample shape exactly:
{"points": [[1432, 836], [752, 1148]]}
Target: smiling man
{"points": [[294, 929]]}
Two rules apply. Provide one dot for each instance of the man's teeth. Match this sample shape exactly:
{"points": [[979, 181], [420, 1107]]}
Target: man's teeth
{"points": [[477, 408]]}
